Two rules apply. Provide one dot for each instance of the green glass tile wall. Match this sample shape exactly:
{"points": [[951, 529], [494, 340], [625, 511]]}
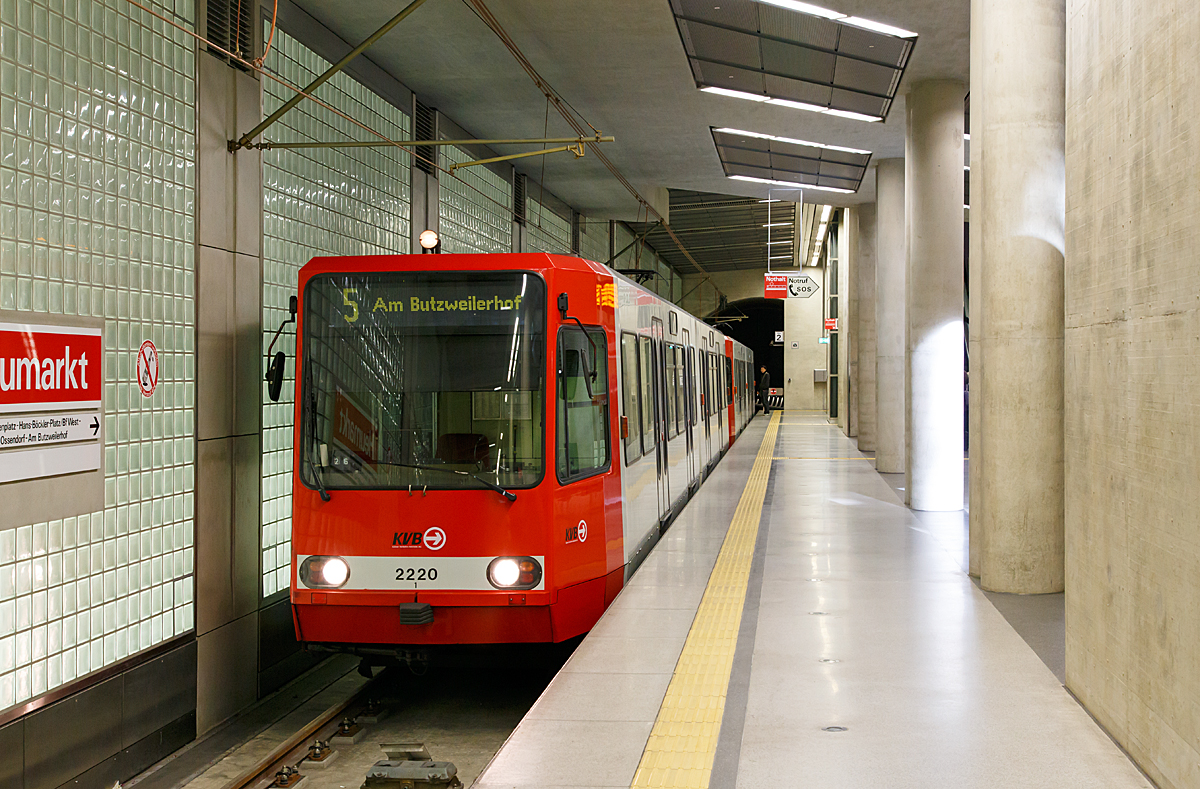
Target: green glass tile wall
{"points": [[546, 231], [353, 201], [474, 206], [97, 203], [594, 240]]}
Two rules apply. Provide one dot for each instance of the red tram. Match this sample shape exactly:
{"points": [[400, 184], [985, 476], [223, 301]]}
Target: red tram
{"points": [[486, 446]]}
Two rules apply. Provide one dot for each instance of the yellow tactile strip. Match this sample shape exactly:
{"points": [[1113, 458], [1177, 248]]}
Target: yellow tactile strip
{"points": [[683, 741]]}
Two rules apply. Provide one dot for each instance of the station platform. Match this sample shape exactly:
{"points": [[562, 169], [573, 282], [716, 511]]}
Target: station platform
{"points": [[799, 626]]}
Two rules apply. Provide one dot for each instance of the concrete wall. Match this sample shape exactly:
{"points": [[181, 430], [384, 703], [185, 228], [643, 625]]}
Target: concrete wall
{"points": [[1132, 407], [802, 328], [736, 285]]}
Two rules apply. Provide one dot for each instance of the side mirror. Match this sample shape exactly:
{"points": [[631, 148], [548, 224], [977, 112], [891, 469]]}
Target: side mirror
{"points": [[275, 376]]}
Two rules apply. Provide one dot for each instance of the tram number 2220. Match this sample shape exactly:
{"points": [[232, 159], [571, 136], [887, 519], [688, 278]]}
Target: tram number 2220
{"points": [[416, 573]]}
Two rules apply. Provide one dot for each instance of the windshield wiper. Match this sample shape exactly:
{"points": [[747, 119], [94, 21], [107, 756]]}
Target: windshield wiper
{"points": [[312, 466], [508, 494]]}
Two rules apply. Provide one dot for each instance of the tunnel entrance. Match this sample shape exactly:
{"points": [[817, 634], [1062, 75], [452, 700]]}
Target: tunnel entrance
{"points": [[753, 322]]}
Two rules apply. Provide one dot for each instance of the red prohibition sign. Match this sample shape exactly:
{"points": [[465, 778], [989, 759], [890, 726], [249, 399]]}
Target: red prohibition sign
{"points": [[147, 368]]}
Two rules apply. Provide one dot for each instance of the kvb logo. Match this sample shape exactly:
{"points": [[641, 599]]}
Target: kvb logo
{"points": [[407, 539], [434, 537], [577, 533]]}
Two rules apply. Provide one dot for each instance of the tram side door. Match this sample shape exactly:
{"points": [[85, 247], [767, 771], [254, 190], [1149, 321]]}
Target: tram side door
{"points": [[660, 416], [689, 409]]}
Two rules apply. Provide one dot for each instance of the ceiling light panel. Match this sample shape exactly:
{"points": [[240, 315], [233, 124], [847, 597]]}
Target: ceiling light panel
{"points": [[788, 161], [794, 54]]}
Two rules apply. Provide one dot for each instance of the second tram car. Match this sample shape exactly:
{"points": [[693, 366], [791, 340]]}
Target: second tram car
{"points": [[487, 446]]}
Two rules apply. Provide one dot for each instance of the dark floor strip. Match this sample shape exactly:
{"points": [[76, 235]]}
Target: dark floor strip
{"points": [[729, 743]]}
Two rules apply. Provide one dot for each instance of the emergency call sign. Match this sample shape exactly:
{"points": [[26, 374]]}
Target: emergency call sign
{"points": [[50, 398]]}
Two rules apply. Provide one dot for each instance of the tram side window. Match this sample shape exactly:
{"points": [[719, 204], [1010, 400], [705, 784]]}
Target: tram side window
{"points": [[705, 371], [714, 390], [645, 364], [680, 390], [672, 388], [631, 393], [729, 380], [583, 425]]}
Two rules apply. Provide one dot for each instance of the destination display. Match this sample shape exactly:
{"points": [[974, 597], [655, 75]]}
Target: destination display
{"points": [[399, 300]]}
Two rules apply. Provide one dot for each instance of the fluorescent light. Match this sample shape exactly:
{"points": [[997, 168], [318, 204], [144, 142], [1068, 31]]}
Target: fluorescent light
{"points": [[778, 224], [779, 242], [967, 167], [737, 94], [775, 200], [825, 212], [790, 140], [847, 150], [966, 206], [791, 184], [854, 116], [805, 8], [857, 21], [878, 27], [967, 136], [744, 133], [780, 257], [796, 105]]}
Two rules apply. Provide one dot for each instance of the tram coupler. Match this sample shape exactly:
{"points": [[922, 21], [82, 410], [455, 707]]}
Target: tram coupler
{"points": [[287, 776]]}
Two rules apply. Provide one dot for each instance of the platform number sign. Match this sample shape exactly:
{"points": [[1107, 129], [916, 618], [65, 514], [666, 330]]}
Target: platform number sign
{"points": [[147, 368]]}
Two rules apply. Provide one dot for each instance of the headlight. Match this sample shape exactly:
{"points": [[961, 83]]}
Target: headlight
{"points": [[514, 572], [324, 572]]}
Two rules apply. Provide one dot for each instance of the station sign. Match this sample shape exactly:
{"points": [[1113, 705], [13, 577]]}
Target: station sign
{"points": [[51, 385], [777, 285]]}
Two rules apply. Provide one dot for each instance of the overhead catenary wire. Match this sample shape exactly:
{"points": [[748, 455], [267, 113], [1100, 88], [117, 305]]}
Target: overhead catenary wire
{"points": [[258, 61], [276, 78], [575, 120]]}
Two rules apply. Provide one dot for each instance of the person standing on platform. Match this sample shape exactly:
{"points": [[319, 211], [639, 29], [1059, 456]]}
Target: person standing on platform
{"points": [[764, 389]]}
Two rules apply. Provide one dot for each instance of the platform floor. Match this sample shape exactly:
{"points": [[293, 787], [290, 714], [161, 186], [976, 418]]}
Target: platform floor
{"points": [[849, 613]]}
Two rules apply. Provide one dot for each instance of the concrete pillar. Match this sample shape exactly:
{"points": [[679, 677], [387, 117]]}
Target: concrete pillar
{"points": [[865, 283], [230, 366], [1019, 174], [934, 288], [889, 316], [847, 326], [975, 452]]}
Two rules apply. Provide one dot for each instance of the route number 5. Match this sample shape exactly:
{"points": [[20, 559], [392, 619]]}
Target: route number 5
{"points": [[349, 302]]}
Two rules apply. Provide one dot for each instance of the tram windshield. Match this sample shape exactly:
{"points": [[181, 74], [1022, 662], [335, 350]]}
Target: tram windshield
{"points": [[423, 380]]}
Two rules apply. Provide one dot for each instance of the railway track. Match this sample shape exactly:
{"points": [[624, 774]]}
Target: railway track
{"points": [[458, 713]]}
